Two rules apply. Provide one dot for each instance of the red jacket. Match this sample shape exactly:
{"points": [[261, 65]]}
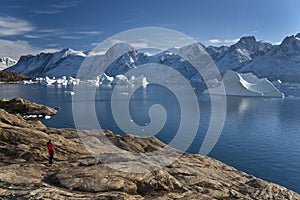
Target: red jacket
{"points": [[50, 148]]}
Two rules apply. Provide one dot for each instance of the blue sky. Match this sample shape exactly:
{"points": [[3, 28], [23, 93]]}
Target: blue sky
{"points": [[34, 25]]}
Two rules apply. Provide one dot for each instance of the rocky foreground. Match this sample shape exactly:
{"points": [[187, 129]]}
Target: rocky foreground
{"points": [[76, 174]]}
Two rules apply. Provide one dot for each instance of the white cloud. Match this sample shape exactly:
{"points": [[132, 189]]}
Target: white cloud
{"points": [[15, 49], [71, 37], [231, 41], [43, 33], [75, 35], [51, 30], [33, 36], [13, 26], [90, 32], [53, 45], [277, 43], [64, 5], [222, 42], [62, 34], [214, 41], [49, 12], [115, 41]]}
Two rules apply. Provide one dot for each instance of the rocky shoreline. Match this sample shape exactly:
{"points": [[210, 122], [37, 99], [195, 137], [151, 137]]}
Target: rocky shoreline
{"points": [[24, 107], [12, 77], [76, 174]]}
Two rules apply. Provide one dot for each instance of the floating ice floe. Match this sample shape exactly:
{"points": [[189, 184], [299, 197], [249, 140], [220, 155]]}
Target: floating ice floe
{"points": [[102, 80], [62, 81], [27, 82], [73, 81], [47, 117], [69, 92], [49, 81], [248, 84]]}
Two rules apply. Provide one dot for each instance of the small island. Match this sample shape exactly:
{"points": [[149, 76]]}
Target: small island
{"points": [[76, 174]]}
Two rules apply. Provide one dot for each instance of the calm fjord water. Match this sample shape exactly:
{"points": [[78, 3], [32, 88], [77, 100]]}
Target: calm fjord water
{"points": [[260, 136]]}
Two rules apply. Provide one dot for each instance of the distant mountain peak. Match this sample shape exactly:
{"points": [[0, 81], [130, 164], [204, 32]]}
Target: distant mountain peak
{"points": [[6, 62], [291, 40], [120, 49], [247, 39], [122, 46], [68, 51]]}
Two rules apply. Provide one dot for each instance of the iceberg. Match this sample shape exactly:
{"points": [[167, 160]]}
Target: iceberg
{"points": [[238, 84], [121, 80], [73, 81], [91, 83], [105, 79], [28, 82], [49, 81], [62, 81]]}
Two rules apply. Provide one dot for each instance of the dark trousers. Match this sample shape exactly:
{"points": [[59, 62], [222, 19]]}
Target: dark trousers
{"points": [[50, 158]]}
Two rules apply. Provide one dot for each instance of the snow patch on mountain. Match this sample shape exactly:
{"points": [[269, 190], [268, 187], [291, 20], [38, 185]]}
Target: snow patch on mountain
{"points": [[6, 62]]}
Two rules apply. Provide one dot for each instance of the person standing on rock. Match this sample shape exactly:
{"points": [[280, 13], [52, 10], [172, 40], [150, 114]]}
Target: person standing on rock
{"points": [[50, 151]]}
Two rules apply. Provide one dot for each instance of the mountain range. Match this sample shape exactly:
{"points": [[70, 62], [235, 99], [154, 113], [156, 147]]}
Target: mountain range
{"points": [[247, 55]]}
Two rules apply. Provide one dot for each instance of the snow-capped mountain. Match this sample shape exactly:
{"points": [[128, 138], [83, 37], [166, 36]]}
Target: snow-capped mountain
{"points": [[127, 61], [237, 55], [6, 62], [111, 62], [247, 55], [65, 62], [281, 62]]}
